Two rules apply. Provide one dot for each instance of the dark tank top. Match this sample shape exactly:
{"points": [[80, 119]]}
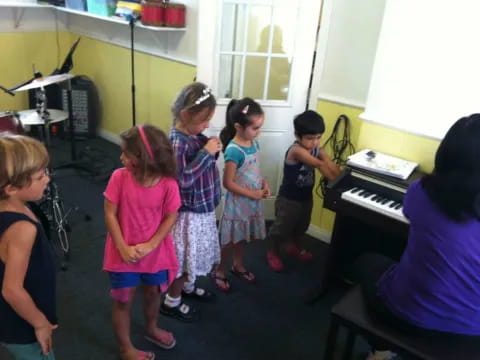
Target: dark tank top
{"points": [[39, 283]]}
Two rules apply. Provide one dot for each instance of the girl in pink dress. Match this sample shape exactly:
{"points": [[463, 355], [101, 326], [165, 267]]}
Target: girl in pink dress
{"points": [[141, 203]]}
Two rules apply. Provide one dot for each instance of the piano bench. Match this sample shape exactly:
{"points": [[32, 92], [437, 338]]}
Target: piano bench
{"points": [[351, 312]]}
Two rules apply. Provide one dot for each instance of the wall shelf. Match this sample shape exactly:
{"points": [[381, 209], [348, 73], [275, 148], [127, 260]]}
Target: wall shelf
{"points": [[115, 20], [112, 19], [23, 5], [172, 43]]}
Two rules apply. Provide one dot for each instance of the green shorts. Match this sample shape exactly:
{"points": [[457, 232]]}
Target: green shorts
{"points": [[31, 351]]}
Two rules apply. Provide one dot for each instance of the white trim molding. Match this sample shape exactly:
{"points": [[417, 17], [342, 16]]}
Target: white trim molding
{"points": [[341, 100], [107, 135], [319, 233]]}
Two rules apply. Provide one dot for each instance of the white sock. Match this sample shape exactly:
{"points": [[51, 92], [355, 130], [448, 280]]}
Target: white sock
{"points": [[188, 287], [171, 301]]}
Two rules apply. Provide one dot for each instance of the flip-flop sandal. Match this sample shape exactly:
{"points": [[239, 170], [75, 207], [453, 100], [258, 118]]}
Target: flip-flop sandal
{"points": [[144, 355], [243, 275], [226, 288], [160, 343]]}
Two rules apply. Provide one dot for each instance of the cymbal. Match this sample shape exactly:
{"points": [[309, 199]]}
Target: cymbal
{"points": [[44, 81], [31, 117]]}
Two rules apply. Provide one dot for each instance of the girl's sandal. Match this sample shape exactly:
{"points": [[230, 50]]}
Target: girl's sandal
{"points": [[142, 355], [217, 280], [243, 275]]}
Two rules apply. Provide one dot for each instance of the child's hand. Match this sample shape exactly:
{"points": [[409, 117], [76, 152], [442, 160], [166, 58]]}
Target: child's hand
{"points": [[129, 254], [257, 194], [43, 334], [143, 249], [213, 146], [266, 190]]}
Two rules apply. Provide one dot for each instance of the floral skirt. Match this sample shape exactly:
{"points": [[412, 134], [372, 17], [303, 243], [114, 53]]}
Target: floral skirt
{"points": [[196, 242]]}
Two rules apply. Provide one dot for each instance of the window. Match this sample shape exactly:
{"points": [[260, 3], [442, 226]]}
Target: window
{"points": [[256, 49]]}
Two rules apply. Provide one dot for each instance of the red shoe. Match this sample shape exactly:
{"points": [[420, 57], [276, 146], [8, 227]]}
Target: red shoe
{"points": [[274, 262], [302, 255]]}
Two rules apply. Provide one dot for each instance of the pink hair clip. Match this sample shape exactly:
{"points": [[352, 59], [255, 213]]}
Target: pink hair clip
{"points": [[245, 109], [145, 141]]}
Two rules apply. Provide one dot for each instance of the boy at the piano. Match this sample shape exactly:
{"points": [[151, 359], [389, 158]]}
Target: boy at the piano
{"points": [[293, 206]]}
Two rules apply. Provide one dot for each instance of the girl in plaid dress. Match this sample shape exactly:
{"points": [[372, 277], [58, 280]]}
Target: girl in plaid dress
{"points": [[242, 218], [195, 233]]}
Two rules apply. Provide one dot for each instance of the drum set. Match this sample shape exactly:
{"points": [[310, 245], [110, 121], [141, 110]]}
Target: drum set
{"points": [[50, 210]]}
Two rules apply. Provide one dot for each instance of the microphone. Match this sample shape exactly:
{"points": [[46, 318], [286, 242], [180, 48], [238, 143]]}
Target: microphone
{"points": [[9, 92], [133, 17]]}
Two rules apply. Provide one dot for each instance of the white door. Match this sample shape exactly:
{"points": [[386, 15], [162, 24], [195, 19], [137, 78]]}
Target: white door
{"points": [[262, 49]]}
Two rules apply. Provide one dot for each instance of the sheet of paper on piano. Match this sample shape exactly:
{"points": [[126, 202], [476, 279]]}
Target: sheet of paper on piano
{"points": [[382, 163]]}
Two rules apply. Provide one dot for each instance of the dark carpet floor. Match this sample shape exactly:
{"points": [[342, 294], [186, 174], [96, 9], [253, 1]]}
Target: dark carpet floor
{"points": [[267, 320]]}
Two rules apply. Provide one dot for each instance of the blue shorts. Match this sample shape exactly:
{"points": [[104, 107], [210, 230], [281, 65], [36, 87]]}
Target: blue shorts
{"points": [[120, 280]]}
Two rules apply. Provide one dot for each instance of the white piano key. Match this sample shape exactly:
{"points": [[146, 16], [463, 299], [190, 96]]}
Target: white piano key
{"points": [[367, 202]]}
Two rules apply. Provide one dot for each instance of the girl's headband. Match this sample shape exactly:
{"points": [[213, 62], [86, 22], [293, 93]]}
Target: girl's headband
{"points": [[206, 93], [145, 141]]}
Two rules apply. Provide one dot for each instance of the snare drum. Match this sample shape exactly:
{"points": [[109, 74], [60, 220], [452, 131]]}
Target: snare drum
{"points": [[9, 121]]}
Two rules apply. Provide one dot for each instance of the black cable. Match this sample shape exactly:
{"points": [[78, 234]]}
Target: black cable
{"points": [[341, 147]]}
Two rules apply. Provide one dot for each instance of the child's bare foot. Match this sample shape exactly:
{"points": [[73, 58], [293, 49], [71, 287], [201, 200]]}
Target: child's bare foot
{"points": [[134, 354], [162, 338]]}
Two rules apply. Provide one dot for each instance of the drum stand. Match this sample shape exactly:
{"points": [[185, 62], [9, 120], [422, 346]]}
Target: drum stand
{"points": [[52, 203]]}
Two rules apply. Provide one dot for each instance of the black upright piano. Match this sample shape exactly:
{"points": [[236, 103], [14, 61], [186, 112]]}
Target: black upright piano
{"points": [[369, 218]]}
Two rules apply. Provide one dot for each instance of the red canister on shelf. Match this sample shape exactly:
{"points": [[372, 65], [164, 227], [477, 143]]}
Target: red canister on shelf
{"points": [[174, 14], [153, 12]]}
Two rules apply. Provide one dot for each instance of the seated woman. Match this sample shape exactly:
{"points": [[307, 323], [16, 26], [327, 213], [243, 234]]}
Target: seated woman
{"points": [[434, 290]]}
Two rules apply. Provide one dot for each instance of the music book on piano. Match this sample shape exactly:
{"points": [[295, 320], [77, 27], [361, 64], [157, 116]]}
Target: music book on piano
{"points": [[381, 163]]}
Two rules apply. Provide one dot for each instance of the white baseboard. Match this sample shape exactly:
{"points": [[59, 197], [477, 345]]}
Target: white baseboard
{"points": [[107, 135], [319, 233]]}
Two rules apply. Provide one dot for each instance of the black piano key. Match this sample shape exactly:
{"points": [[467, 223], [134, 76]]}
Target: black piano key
{"points": [[384, 201], [355, 190], [361, 193], [374, 198], [394, 203], [398, 206]]}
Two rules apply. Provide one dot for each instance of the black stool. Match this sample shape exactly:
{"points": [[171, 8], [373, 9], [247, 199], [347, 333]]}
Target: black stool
{"points": [[351, 312]]}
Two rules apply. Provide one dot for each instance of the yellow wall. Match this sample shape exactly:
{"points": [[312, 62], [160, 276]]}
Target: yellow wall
{"points": [[157, 80], [20, 51], [368, 135]]}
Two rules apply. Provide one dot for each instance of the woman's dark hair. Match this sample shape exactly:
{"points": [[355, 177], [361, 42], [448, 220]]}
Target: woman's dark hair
{"points": [[308, 123], [194, 98], [238, 112], [454, 185], [161, 163]]}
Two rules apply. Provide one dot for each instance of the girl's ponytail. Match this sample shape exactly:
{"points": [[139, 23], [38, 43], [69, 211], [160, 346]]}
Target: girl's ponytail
{"points": [[238, 112], [228, 132]]}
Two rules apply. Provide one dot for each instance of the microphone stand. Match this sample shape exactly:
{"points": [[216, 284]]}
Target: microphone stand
{"points": [[131, 22]]}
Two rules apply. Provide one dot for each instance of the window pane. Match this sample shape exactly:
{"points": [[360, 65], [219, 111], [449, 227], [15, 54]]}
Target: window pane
{"points": [[233, 25], [279, 78], [284, 18], [259, 28], [255, 69], [229, 76]]}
